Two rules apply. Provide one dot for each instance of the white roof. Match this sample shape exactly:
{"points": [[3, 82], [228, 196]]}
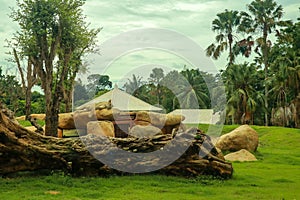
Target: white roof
{"points": [[196, 116], [122, 101]]}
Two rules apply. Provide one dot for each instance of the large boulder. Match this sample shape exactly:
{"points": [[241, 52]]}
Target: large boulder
{"points": [[159, 119], [241, 156], [66, 121], [140, 131], [243, 137], [102, 128]]}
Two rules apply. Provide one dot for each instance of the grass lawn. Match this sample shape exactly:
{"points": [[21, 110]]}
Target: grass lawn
{"points": [[275, 176], [26, 123]]}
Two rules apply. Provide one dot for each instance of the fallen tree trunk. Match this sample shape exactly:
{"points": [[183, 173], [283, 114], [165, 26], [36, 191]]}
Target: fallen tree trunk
{"points": [[23, 150]]}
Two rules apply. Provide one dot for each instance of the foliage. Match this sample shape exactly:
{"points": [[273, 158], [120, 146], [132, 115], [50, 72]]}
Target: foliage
{"points": [[132, 86], [80, 93], [195, 94], [279, 80], [10, 91], [189, 88], [97, 83], [285, 66], [264, 17], [242, 90], [54, 37], [226, 24], [155, 79]]}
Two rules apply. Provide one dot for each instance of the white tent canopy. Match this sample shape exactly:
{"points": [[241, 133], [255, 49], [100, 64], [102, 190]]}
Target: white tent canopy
{"points": [[122, 101], [196, 116]]}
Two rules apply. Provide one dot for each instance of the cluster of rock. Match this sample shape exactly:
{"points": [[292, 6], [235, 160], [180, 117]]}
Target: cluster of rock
{"points": [[111, 122], [240, 142], [79, 156]]}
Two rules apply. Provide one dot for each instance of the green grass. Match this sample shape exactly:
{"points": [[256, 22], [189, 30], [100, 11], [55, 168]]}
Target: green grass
{"points": [[276, 175], [26, 123]]}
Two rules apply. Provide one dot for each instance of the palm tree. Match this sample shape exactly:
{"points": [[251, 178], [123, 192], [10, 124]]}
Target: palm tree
{"points": [[243, 97], [156, 77], [264, 16], [194, 92], [225, 25], [132, 86], [285, 65]]}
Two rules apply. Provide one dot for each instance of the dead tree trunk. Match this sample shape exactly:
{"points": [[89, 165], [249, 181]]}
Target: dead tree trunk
{"points": [[22, 150]]}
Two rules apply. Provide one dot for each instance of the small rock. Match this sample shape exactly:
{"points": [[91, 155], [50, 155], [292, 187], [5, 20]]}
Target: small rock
{"points": [[241, 156]]}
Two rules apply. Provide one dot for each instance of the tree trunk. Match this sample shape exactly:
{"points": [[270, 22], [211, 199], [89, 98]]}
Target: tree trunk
{"points": [[266, 65], [31, 80], [52, 110], [68, 97], [230, 49], [68, 104], [27, 103], [266, 96], [22, 150]]}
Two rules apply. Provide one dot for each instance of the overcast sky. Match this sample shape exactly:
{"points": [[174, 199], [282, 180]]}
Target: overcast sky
{"points": [[190, 19]]}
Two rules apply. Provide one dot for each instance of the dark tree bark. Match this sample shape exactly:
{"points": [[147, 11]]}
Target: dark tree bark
{"points": [[22, 150], [31, 80]]}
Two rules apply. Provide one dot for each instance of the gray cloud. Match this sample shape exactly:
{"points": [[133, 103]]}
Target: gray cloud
{"points": [[191, 18]]}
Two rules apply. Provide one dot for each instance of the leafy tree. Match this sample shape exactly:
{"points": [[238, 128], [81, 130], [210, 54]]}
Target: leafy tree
{"points": [[155, 78], [242, 87], [264, 17], [51, 30], [38, 104], [133, 86], [98, 83], [285, 67], [225, 25], [10, 91], [195, 93], [173, 84], [28, 80], [80, 93]]}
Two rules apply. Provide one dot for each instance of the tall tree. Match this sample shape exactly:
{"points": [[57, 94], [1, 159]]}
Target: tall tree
{"points": [[194, 93], [173, 83], [225, 25], [285, 65], [10, 91], [155, 78], [242, 87], [46, 30], [80, 93], [28, 80], [132, 86], [264, 17], [98, 83]]}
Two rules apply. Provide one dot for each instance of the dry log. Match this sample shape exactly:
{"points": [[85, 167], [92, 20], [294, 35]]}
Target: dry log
{"points": [[23, 150]]}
